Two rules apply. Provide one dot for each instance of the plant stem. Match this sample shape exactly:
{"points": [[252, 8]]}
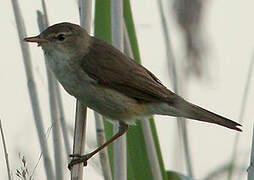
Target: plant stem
{"points": [[148, 136], [57, 93], [120, 159], [32, 91], [85, 10], [101, 139], [54, 111], [5, 151], [173, 75]]}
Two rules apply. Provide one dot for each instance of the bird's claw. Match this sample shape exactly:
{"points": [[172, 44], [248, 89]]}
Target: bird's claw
{"points": [[75, 155], [78, 159]]}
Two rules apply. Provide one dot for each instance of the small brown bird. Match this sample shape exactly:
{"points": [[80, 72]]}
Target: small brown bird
{"points": [[111, 83]]}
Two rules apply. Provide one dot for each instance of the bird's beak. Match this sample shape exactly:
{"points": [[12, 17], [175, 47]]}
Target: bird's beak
{"points": [[35, 39]]}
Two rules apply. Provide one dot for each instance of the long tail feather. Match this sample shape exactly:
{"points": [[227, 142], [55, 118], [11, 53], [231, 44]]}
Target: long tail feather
{"points": [[188, 110]]}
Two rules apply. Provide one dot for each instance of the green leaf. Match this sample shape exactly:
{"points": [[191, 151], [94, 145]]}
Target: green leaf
{"points": [[138, 162], [137, 158], [102, 20], [136, 138], [102, 30]]}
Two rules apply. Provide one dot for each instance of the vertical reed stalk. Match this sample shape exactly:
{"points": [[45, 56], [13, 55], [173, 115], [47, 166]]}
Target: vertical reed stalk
{"points": [[32, 91], [101, 139], [5, 151], [54, 110], [120, 159], [63, 121], [242, 111], [79, 140], [173, 75], [244, 101], [57, 93], [151, 150], [85, 10], [251, 166]]}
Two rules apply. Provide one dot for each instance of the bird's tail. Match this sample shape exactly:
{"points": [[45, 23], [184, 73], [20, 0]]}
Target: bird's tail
{"points": [[191, 111]]}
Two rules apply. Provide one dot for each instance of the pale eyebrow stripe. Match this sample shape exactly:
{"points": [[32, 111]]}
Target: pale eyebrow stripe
{"points": [[64, 33]]}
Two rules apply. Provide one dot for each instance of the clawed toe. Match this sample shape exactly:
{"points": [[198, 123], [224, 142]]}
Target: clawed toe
{"points": [[75, 155], [78, 159]]}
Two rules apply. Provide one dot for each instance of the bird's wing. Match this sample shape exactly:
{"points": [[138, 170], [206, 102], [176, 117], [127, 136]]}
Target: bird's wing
{"points": [[112, 69]]}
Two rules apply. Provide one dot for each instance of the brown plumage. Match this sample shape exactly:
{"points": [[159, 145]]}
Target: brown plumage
{"points": [[111, 83], [112, 69]]}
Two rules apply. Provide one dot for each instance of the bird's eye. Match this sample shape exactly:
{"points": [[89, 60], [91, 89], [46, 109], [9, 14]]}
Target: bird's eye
{"points": [[60, 37]]}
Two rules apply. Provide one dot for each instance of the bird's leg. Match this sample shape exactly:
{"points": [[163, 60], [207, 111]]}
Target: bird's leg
{"points": [[83, 159]]}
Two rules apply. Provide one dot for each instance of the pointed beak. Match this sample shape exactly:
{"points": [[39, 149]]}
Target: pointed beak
{"points": [[35, 39]]}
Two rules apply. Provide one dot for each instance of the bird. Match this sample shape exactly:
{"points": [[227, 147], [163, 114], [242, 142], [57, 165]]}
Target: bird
{"points": [[106, 80]]}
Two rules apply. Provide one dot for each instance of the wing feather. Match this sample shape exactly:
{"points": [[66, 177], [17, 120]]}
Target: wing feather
{"points": [[112, 69]]}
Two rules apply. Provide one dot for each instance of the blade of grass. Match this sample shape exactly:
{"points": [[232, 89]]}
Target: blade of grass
{"points": [[157, 146], [151, 151], [137, 154], [152, 154], [137, 170], [134, 45]]}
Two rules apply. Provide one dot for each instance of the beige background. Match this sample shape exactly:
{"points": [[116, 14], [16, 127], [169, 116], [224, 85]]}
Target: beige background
{"points": [[230, 27]]}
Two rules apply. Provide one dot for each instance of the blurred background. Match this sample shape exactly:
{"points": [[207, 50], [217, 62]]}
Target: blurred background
{"points": [[213, 48]]}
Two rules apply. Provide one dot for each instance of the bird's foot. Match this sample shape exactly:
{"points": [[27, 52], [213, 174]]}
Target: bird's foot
{"points": [[77, 158]]}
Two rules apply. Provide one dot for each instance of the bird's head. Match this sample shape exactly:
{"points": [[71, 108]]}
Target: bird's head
{"points": [[63, 38]]}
